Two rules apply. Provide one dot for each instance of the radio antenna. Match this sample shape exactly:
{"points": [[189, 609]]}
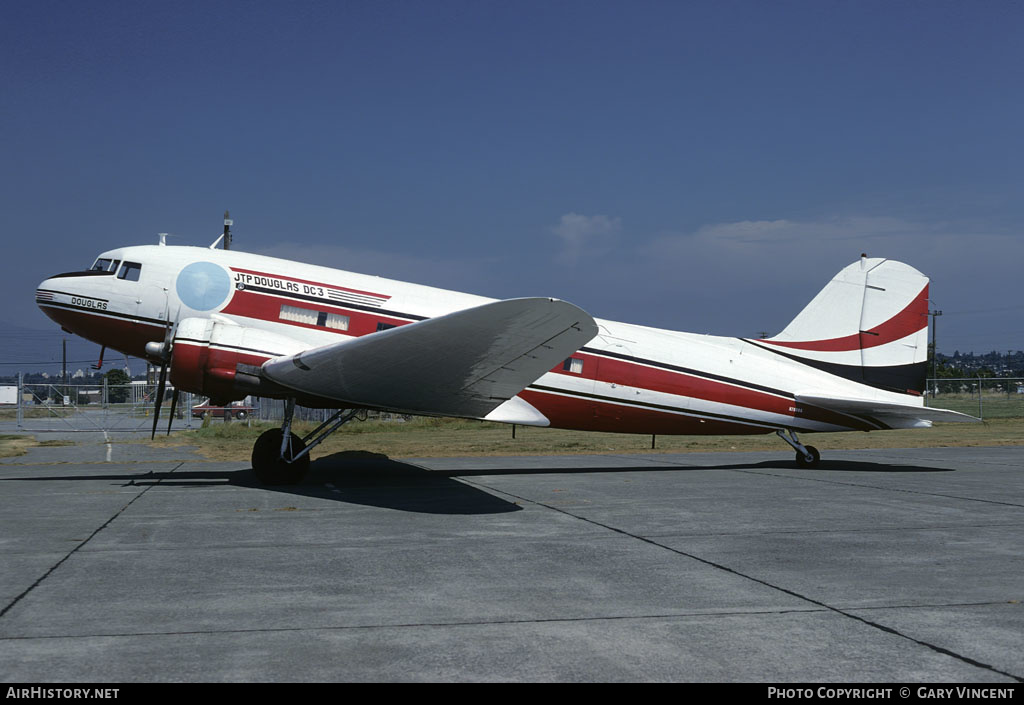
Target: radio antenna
{"points": [[227, 230]]}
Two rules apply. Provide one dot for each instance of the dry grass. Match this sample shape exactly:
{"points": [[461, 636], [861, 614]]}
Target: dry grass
{"points": [[424, 437], [12, 446]]}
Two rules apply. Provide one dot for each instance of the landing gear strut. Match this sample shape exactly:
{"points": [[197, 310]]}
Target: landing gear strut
{"points": [[806, 456], [279, 457]]}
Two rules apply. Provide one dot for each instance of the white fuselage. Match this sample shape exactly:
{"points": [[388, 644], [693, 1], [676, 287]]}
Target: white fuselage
{"points": [[629, 378]]}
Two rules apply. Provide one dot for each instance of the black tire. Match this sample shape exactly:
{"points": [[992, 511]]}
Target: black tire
{"points": [[803, 462], [267, 464], [240, 415]]}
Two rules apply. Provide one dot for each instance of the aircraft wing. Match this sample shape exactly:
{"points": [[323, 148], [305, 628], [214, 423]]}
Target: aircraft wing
{"points": [[892, 414], [464, 363]]}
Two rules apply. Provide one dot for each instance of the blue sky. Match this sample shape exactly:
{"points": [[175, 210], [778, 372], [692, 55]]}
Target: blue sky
{"points": [[702, 166]]}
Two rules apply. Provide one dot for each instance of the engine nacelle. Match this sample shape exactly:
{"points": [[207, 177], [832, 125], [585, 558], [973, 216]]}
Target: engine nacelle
{"points": [[221, 359]]}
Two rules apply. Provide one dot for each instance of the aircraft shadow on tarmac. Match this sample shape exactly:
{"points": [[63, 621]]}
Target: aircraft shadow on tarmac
{"points": [[352, 477], [782, 464], [371, 479]]}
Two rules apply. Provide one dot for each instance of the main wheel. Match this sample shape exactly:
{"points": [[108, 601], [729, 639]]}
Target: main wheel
{"points": [[270, 469], [801, 460]]}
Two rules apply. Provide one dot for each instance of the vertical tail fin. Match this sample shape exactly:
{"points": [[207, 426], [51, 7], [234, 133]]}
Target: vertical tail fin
{"points": [[869, 324]]}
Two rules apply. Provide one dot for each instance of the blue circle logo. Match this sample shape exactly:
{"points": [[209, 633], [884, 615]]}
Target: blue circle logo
{"points": [[203, 286]]}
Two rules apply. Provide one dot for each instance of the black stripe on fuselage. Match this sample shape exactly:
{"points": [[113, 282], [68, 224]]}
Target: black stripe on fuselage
{"points": [[889, 378], [68, 293], [87, 273], [105, 312], [237, 348], [690, 371]]}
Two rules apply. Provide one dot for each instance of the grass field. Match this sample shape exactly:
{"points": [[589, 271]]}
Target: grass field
{"points": [[990, 406], [426, 437]]}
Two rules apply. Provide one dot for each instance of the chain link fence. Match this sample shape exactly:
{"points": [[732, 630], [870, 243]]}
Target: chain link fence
{"points": [[98, 406], [984, 397]]}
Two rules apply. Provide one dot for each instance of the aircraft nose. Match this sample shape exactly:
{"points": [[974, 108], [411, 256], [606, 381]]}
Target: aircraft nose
{"points": [[45, 293], [63, 297]]}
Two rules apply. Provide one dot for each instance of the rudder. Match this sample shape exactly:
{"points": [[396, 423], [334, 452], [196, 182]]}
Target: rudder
{"points": [[869, 325]]}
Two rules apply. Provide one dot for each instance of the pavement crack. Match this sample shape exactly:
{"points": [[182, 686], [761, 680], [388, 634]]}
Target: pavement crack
{"points": [[73, 551], [719, 566], [877, 487], [424, 625]]}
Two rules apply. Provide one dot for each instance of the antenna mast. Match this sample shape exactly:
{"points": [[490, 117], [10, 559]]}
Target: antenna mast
{"points": [[227, 230]]}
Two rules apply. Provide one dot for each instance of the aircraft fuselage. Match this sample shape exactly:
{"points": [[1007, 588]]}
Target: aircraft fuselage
{"points": [[628, 378]]}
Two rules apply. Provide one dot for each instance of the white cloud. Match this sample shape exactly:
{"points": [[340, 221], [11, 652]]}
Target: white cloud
{"points": [[586, 235], [760, 273]]}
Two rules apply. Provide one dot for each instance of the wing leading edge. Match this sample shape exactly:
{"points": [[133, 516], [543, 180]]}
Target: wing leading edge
{"points": [[465, 363]]}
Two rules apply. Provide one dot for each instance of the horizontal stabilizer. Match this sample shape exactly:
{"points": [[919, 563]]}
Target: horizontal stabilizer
{"points": [[892, 414], [465, 363]]}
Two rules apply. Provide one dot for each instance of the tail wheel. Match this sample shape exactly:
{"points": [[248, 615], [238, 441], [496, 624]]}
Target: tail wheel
{"points": [[803, 461], [270, 468]]}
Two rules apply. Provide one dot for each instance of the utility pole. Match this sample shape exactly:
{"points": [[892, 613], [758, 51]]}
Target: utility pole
{"points": [[64, 367], [935, 349]]}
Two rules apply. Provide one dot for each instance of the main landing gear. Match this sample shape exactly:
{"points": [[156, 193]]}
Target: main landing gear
{"points": [[279, 457], [806, 456]]}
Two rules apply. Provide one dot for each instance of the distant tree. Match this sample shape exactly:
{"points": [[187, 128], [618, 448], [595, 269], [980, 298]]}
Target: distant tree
{"points": [[117, 385]]}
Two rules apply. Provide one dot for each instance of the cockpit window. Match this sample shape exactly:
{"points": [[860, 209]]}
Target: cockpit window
{"points": [[130, 271], [105, 265]]}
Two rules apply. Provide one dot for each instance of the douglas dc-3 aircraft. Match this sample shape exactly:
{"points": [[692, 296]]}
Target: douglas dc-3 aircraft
{"points": [[228, 324]]}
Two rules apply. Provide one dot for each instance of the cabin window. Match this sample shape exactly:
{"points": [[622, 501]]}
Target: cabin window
{"points": [[130, 271], [574, 365], [384, 326], [299, 315], [336, 321], [313, 318]]}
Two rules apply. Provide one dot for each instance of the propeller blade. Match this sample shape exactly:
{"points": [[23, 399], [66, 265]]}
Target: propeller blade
{"points": [[159, 398], [174, 405]]}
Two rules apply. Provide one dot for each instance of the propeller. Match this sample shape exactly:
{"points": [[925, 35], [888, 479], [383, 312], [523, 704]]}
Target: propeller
{"points": [[161, 386], [165, 351], [174, 405]]}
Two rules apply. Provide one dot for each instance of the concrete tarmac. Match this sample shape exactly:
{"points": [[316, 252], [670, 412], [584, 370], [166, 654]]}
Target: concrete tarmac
{"points": [[123, 563]]}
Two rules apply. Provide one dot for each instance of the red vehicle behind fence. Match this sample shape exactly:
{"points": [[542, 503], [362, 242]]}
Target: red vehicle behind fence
{"points": [[236, 410]]}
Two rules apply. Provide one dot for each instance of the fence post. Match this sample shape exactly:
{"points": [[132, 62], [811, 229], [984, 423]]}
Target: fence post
{"points": [[21, 393]]}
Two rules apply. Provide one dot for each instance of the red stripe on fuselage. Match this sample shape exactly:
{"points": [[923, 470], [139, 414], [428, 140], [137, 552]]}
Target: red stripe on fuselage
{"points": [[632, 374], [907, 322], [594, 415], [267, 307]]}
